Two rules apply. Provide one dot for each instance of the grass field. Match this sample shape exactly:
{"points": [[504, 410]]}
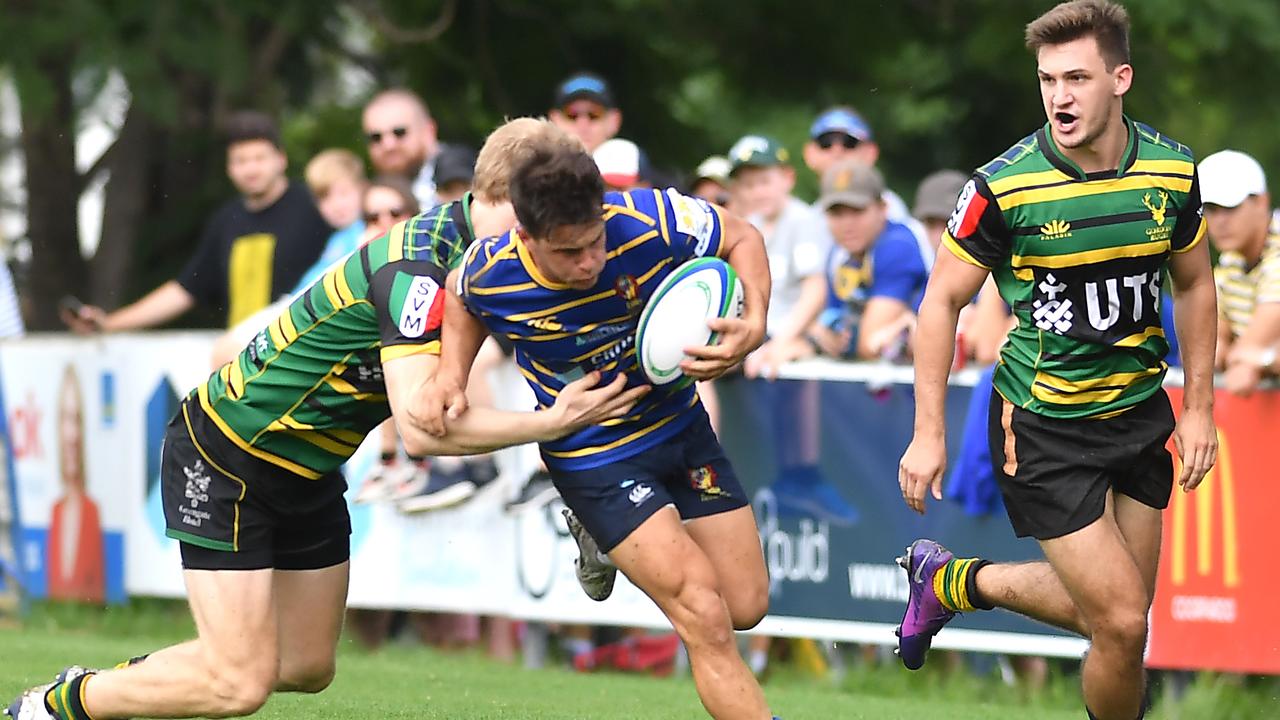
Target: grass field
{"points": [[412, 682]]}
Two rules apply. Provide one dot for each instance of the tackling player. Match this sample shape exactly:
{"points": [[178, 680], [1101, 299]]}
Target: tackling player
{"points": [[1078, 223], [250, 480], [653, 489]]}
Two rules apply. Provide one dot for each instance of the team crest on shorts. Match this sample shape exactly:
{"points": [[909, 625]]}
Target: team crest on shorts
{"points": [[629, 290], [705, 481]]}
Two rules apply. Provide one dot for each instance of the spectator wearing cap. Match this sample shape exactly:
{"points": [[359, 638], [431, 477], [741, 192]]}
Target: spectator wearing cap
{"points": [[711, 181], [584, 107], [621, 165], [793, 235], [875, 274], [455, 168], [935, 201], [840, 133], [403, 141], [1237, 209]]}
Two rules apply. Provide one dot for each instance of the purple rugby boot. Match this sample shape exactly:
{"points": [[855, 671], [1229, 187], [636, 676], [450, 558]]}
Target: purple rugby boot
{"points": [[925, 615]]}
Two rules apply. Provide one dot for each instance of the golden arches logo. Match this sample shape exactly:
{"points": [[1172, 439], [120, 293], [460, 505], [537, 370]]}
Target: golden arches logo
{"points": [[1221, 482]]}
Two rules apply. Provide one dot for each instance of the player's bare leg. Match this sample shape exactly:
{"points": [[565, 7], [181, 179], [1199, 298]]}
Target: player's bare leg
{"points": [[731, 542], [662, 559], [229, 670], [1033, 589], [1098, 582], [1107, 587], [310, 606], [292, 617]]}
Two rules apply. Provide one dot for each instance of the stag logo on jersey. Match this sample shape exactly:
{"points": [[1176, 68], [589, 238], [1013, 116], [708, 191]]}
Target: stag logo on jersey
{"points": [[1157, 213], [1160, 232], [1055, 230]]}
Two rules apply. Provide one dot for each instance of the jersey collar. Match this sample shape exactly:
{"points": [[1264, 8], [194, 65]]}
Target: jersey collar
{"points": [[461, 213], [1064, 165]]}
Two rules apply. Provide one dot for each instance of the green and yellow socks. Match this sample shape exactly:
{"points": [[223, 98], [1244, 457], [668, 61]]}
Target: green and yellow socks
{"points": [[956, 585], [66, 699]]}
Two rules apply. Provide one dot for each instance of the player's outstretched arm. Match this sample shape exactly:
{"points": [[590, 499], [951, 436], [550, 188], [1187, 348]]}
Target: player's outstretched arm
{"points": [[742, 247], [445, 397], [1195, 311], [951, 286], [481, 429]]}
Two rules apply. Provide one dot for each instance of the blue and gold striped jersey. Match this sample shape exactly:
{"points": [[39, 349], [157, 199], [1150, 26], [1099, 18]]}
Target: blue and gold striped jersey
{"points": [[560, 333]]}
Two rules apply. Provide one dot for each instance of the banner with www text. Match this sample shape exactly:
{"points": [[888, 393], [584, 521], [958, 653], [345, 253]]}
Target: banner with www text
{"points": [[817, 454]]}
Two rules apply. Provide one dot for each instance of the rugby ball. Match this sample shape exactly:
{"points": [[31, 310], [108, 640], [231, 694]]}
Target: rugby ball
{"points": [[675, 316]]}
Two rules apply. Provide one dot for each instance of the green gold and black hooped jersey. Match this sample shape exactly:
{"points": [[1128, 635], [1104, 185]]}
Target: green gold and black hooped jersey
{"points": [[309, 386], [1080, 258]]}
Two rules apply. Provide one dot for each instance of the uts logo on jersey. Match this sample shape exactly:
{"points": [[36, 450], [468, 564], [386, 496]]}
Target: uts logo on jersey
{"points": [[423, 307], [1079, 303], [694, 217], [969, 208]]}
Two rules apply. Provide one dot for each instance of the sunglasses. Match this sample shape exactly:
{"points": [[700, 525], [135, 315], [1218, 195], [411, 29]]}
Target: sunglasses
{"points": [[592, 115], [826, 141], [376, 136], [394, 213]]}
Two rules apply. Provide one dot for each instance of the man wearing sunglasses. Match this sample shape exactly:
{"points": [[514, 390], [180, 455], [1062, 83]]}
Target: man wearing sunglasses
{"points": [[840, 133], [402, 141], [584, 108]]}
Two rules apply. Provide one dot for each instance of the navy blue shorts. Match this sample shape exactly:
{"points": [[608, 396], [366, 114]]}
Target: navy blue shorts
{"points": [[689, 472]]}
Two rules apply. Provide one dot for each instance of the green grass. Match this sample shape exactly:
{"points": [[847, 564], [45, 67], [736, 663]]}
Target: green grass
{"points": [[411, 682]]}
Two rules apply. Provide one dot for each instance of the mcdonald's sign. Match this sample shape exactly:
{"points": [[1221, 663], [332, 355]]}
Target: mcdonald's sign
{"points": [[1215, 592]]}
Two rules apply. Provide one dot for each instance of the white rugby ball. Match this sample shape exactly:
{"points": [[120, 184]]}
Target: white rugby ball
{"points": [[675, 316]]}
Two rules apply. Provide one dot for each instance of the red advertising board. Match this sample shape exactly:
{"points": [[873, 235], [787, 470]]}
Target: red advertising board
{"points": [[1218, 590]]}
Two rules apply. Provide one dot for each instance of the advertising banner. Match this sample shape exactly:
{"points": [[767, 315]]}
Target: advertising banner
{"points": [[817, 454], [66, 442], [1216, 591]]}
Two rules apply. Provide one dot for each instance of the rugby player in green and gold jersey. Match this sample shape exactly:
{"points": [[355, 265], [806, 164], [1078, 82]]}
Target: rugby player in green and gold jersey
{"points": [[250, 469], [1077, 223]]}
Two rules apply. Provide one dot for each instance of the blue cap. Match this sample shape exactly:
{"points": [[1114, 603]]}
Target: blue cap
{"points": [[584, 86], [842, 120]]}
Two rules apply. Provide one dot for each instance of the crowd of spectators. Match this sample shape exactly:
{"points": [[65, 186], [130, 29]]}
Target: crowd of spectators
{"points": [[848, 269]]}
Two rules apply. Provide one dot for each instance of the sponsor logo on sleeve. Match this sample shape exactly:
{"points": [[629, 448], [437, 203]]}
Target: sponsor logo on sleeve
{"points": [[416, 315], [694, 217], [969, 208]]}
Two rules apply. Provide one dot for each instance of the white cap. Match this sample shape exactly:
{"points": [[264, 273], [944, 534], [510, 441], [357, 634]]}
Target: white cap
{"points": [[1227, 177], [619, 162]]}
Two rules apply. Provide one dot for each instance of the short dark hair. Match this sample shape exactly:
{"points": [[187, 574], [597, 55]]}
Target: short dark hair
{"points": [[247, 125], [1105, 21], [554, 188]]}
